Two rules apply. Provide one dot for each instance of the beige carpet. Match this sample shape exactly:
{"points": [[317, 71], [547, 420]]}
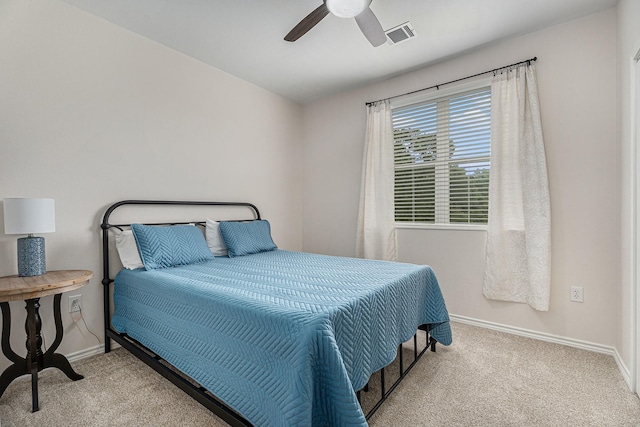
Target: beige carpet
{"points": [[485, 378]]}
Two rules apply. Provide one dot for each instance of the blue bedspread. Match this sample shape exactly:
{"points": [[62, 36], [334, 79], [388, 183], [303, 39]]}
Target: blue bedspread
{"points": [[282, 337]]}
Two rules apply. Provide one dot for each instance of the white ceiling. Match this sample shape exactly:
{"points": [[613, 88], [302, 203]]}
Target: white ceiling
{"points": [[245, 37]]}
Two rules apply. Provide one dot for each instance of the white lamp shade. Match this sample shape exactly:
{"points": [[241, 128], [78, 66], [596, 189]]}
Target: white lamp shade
{"points": [[29, 216], [347, 8]]}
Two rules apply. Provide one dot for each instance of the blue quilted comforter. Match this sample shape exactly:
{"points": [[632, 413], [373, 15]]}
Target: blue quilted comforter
{"points": [[282, 337]]}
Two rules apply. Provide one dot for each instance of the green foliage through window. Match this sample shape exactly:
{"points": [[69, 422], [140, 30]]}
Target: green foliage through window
{"points": [[442, 159]]}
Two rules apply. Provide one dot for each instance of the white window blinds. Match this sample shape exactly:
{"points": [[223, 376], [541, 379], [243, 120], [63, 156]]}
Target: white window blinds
{"points": [[442, 159]]}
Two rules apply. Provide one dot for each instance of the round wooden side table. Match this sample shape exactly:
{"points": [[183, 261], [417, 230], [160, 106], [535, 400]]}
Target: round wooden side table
{"points": [[31, 289]]}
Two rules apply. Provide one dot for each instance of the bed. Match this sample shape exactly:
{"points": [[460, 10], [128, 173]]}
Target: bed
{"points": [[265, 336]]}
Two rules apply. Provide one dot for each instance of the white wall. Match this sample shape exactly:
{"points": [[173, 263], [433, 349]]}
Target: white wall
{"points": [[91, 114], [576, 71], [628, 45]]}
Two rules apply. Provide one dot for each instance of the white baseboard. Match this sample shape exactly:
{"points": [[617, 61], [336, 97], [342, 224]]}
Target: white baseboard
{"points": [[83, 354], [584, 345], [91, 351]]}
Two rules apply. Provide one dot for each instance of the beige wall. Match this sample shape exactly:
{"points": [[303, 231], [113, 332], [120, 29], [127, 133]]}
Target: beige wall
{"points": [[628, 46], [576, 71], [91, 114]]}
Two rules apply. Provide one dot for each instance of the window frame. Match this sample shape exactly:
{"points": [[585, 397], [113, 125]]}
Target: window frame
{"points": [[449, 91]]}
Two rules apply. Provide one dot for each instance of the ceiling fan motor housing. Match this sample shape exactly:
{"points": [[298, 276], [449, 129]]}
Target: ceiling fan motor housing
{"points": [[347, 8]]}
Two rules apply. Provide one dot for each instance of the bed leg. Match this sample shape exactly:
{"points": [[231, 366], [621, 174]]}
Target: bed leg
{"points": [[106, 281], [106, 311], [432, 343]]}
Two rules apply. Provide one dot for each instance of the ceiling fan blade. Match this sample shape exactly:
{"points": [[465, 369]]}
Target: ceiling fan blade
{"points": [[307, 23], [371, 27]]}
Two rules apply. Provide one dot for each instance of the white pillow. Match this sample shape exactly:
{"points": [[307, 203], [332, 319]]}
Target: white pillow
{"points": [[214, 238], [128, 250]]}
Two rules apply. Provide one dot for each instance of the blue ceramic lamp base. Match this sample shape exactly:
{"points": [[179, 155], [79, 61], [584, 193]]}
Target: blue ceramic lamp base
{"points": [[31, 260]]}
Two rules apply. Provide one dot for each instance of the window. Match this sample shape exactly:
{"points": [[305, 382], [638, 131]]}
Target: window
{"points": [[442, 159]]}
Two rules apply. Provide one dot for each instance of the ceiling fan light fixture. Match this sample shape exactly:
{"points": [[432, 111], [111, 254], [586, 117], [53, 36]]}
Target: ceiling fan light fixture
{"points": [[347, 8]]}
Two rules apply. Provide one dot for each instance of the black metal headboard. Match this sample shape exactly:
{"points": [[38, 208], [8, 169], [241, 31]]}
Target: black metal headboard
{"points": [[106, 225]]}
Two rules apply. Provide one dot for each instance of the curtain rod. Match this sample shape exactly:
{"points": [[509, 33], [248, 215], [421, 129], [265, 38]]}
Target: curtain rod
{"points": [[528, 62]]}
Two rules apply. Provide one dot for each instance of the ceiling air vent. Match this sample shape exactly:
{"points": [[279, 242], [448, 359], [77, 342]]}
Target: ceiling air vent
{"points": [[400, 33]]}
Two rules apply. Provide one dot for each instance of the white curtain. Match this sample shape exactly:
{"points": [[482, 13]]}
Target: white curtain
{"points": [[376, 234], [518, 251]]}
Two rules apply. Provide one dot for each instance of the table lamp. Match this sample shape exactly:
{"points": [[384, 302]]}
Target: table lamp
{"points": [[30, 216]]}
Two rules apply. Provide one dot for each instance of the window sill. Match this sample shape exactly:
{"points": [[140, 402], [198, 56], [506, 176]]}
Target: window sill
{"points": [[422, 226]]}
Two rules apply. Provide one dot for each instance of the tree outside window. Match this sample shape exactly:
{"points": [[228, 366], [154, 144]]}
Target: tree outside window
{"points": [[442, 159]]}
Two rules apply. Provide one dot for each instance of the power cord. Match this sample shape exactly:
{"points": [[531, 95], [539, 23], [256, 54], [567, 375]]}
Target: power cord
{"points": [[85, 323]]}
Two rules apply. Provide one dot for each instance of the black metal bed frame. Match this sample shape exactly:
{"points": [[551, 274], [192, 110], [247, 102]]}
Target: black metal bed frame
{"points": [[196, 391]]}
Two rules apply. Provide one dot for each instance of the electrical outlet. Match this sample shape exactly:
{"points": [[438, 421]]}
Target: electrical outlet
{"points": [[577, 294], [75, 303]]}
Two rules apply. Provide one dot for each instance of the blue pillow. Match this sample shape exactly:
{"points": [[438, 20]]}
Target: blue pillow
{"points": [[243, 238], [162, 247]]}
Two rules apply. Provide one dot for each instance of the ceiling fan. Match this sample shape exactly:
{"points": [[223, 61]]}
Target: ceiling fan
{"points": [[359, 9]]}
